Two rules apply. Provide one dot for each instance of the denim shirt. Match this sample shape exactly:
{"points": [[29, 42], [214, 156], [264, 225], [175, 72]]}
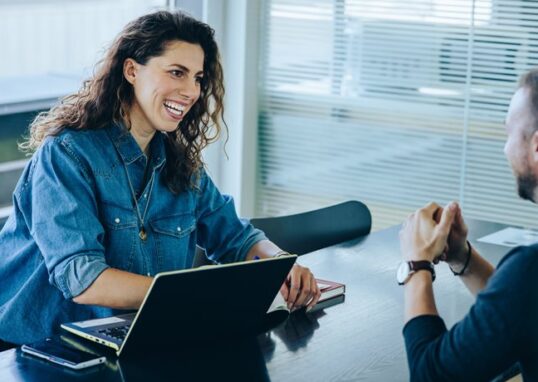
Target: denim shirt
{"points": [[74, 216]]}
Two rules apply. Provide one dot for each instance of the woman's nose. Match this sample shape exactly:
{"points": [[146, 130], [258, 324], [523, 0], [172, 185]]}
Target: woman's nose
{"points": [[190, 89]]}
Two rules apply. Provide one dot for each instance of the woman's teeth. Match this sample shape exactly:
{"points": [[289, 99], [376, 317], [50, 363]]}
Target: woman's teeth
{"points": [[174, 108]]}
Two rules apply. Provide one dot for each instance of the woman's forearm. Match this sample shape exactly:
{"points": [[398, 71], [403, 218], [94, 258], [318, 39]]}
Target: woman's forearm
{"points": [[262, 249], [116, 289]]}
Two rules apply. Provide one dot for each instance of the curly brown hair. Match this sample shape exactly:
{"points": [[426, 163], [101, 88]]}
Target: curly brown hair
{"points": [[107, 95]]}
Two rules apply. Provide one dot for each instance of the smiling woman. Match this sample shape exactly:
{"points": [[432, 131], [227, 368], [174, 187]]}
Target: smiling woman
{"points": [[155, 54], [116, 189], [166, 88]]}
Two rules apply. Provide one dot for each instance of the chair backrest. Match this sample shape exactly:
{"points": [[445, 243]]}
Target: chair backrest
{"points": [[313, 230], [309, 231]]}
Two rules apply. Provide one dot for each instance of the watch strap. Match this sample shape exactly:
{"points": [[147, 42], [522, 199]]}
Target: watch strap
{"points": [[415, 266]]}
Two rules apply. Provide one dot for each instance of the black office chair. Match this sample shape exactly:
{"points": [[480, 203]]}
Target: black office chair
{"points": [[6, 346], [309, 231]]}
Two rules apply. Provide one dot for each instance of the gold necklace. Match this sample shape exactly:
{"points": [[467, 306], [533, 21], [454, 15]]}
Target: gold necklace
{"points": [[142, 233]]}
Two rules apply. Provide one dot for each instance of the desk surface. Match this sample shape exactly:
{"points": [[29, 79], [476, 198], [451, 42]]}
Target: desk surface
{"points": [[360, 339]]}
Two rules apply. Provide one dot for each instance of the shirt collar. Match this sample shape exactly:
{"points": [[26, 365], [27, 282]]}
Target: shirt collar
{"points": [[129, 149]]}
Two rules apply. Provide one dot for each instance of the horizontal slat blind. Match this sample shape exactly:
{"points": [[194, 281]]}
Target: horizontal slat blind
{"points": [[392, 103], [62, 36]]}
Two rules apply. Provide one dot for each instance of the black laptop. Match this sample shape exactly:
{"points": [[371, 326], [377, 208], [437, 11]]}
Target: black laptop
{"points": [[211, 303]]}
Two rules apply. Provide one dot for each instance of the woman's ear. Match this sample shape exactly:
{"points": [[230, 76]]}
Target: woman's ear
{"points": [[130, 68]]}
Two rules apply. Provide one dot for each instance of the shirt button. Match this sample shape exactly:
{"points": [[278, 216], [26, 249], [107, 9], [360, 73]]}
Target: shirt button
{"points": [[178, 229], [149, 274], [117, 220], [145, 195]]}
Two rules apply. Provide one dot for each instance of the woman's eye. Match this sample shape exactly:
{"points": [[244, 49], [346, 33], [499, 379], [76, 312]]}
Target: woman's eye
{"points": [[176, 73], [199, 80]]}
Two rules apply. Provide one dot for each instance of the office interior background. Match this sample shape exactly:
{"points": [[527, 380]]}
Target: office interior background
{"points": [[388, 102]]}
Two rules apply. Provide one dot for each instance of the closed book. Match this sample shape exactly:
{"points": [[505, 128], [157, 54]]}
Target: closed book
{"points": [[327, 303], [330, 289]]}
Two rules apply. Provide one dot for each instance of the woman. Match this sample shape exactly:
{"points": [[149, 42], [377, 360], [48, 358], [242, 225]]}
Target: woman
{"points": [[116, 190]]}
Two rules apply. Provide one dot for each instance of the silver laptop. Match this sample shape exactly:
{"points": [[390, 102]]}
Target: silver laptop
{"points": [[209, 303]]}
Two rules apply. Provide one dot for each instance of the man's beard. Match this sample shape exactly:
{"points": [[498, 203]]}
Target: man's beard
{"points": [[526, 184]]}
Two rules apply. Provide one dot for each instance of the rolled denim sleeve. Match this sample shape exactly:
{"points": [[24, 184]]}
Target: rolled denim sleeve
{"points": [[75, 275], [225, 236], [62, 217]]}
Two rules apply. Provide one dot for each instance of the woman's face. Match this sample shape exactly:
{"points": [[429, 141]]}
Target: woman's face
{"points": [[166, 87]]}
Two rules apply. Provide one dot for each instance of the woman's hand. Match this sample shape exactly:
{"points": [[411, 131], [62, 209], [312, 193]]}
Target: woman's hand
{"points": [[425, 233], [300, 288]]}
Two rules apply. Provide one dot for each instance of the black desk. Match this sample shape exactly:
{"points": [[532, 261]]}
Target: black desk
{"points": [[359, 339]]}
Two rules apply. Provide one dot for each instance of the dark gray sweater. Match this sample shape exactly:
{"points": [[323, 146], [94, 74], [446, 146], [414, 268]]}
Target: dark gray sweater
{"points": [[500, 329]]}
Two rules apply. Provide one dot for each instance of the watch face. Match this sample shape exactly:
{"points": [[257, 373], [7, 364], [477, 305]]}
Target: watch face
{"points": [[403, 272]]}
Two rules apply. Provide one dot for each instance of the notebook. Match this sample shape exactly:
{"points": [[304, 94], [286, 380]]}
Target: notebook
{"points": [[330, 290], [210, 303]]}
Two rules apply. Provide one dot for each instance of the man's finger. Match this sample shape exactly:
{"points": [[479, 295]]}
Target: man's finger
{"points": [[447, 218], [459, 217], [429, 209], [437, 215]]}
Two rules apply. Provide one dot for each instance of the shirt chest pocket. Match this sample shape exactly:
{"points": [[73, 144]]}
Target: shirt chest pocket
{"points": [[173, 240], [121, 233]]}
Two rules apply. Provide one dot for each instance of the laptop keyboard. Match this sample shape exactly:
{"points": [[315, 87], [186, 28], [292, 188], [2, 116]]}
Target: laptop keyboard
{"points": [[118, 332]]}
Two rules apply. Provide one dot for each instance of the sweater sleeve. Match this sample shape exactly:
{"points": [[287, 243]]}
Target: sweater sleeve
{"points": [[488, 340]]}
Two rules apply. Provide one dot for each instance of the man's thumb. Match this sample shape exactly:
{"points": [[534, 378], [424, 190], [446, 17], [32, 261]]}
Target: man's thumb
{"points": [[449, 213]]}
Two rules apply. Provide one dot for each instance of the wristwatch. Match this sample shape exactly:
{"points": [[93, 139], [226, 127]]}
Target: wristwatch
{"points": [[408, 268]]}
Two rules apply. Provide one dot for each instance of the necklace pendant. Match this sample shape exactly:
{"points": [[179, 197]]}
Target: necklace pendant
{"points": [[143, 235]]}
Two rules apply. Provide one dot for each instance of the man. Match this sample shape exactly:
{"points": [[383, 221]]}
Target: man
{"points": [[502, 326]]}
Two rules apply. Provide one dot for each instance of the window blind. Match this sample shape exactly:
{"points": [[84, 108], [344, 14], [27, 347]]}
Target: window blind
{"points": [[392, 103]]}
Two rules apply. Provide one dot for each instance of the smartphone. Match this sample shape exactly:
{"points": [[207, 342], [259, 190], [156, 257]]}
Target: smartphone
{"points": [[54, 351]]}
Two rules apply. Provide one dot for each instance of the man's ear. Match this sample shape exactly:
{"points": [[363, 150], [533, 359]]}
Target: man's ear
{"points": [[534, 147], [130, 68]]}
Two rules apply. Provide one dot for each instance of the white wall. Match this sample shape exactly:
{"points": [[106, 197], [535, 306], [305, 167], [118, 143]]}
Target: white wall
{"points": [[236, 26]]}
